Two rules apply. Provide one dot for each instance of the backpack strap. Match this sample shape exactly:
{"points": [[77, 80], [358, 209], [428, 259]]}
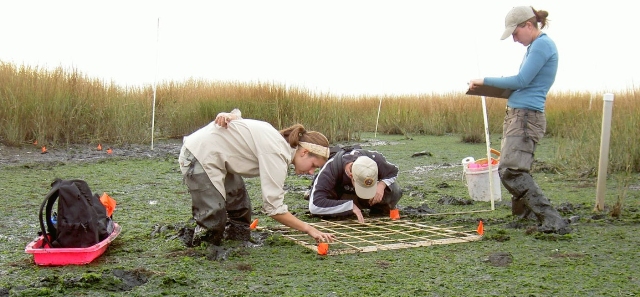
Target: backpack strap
{"points": [[47, 205]]}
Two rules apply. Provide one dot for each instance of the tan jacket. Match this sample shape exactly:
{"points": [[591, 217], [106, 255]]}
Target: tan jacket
{"points": [[249, 148]]}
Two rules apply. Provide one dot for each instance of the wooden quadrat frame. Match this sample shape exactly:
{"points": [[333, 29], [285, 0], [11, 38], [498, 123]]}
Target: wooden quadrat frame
{"points": [[381, 234]]}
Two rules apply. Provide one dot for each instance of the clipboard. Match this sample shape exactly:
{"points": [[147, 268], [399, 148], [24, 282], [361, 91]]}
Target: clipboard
{"points": [[489, 91]]}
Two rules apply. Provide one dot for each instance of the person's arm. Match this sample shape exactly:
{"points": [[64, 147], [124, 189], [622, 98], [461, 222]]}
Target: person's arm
{"points": [[223, 118], [529, 69], [291, 221], [387, 174], [356, 210], [273, 172]]}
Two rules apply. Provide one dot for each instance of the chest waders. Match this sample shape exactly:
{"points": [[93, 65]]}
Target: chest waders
{"points": [[521, 134], [219, 217]]}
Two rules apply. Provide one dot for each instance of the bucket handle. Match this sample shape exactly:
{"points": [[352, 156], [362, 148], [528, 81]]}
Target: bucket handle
{"points": [[494, 152]]}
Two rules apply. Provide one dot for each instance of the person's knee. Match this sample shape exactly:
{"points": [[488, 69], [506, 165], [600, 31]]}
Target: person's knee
{"points": [[507, 174], [517, 153], [238, 199], [198, 182], [392, 195]]}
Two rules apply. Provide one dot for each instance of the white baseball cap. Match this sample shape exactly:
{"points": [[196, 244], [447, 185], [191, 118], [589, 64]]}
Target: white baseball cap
{"points": [[515, 17], [365, 177]]}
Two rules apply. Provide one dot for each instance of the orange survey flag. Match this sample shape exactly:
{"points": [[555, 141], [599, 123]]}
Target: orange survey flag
{"points": [[323, 248], [254, 224], [108, 202]]}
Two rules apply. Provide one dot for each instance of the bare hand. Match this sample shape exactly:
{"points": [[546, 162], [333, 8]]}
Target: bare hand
{"points": [[358, 213], [291, 221], [223, 119], [475, 82], [320, 236], [379, 193]]}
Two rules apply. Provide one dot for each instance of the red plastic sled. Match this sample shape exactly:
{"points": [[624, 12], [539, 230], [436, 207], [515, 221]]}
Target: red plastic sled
{"points": [[69, 256]]}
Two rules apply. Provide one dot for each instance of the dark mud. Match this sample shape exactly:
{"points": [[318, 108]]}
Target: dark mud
{"points": [[420, 210], [234, 239], [500, 259], [31, 154], [450, 200], [116, 280]]}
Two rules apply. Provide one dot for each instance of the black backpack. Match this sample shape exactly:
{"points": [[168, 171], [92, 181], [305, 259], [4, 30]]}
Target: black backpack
{"points": [[344, 149], [81, 218]]}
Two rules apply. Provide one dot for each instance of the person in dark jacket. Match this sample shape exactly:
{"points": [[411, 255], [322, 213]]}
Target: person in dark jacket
{"points": [[354, 180]]}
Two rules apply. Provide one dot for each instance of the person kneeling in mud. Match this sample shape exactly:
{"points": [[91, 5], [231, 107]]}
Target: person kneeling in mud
{"points": [[215, 158], [352, 181]]}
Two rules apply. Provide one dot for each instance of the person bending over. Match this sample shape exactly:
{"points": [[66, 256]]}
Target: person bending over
{"points": [[351, 181], [215, 159]]}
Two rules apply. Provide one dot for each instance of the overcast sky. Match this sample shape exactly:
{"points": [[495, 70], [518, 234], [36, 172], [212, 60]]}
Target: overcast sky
{"points": [[341, 47]]}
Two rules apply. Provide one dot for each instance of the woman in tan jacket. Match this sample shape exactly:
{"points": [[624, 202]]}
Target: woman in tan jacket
{"points": [[215, 158]]}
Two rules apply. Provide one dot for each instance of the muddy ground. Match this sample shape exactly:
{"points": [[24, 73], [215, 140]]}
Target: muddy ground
{"points": [[30, 154], [150, 258]]}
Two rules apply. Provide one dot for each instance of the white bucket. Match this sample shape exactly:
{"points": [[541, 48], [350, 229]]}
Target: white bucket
{"points": [[478, 181]]}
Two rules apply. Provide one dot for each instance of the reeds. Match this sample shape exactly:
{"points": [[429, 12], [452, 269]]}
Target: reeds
{"points": [[64, 106]]}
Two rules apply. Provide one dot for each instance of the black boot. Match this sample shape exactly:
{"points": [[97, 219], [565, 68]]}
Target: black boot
{"points": [[240, 232], [211, 237], [529, 197], [549, 218], [521, 210]]}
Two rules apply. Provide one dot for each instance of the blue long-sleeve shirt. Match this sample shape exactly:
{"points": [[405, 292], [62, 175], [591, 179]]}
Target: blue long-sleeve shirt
{"points": [[533, 81]]}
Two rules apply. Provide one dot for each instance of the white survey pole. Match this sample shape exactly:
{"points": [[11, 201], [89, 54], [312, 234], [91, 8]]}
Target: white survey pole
{"points": [[487, 140], [375, 134], [155, 79], [604, 150]]}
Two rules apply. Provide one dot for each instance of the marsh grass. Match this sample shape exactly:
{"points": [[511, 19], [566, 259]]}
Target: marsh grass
{"points": [[62, 106]]}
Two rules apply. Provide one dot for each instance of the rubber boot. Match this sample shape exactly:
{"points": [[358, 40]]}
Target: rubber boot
{"points": [[529, 196], [521, 210], [238, 207], [207, 208], [201, 235], [549, 218]]}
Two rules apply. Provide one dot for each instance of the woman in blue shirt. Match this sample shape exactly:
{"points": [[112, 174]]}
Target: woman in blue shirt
{"points": [[525, 121]]}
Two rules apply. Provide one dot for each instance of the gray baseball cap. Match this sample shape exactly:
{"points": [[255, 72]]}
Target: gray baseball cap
{"points": [[515, 17]]}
